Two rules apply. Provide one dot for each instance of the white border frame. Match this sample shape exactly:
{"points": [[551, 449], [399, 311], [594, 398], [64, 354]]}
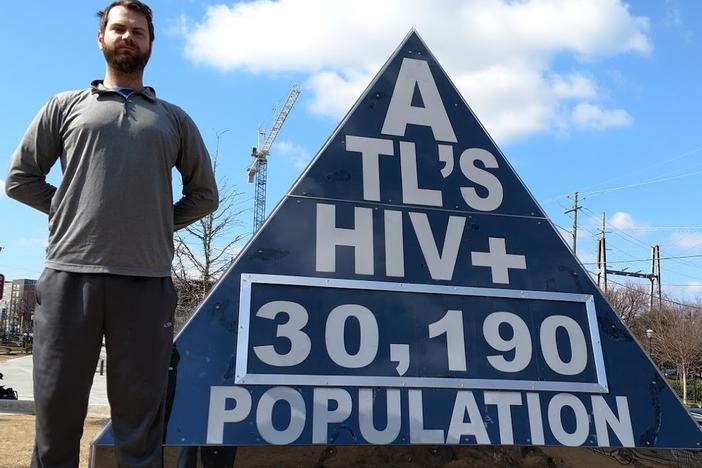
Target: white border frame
{"points": [[244, 378]]}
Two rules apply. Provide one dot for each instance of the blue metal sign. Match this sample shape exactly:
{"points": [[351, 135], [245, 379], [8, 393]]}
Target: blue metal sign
{"points": [[409, 290], [374, 333]]}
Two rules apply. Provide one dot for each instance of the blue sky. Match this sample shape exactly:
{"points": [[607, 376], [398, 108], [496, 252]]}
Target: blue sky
{"points": [[600, 97]]}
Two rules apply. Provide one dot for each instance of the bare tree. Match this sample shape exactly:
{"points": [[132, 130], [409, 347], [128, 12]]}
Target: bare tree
{"points": [[205, 249], [676, 338], [629, 302]]}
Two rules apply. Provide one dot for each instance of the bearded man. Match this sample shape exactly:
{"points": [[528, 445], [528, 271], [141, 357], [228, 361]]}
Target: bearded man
{"points": [[108, 257]]}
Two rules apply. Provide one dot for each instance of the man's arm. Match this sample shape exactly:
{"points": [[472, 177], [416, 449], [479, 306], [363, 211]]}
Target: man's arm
{"points": [[200, 196], [33, 158]]}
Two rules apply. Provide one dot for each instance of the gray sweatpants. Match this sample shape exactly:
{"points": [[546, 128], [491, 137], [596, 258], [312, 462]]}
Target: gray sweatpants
{"points": [[74, 311]]}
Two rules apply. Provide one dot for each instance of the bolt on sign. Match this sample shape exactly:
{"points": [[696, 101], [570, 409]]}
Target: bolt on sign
{"points": [[410, 290]]}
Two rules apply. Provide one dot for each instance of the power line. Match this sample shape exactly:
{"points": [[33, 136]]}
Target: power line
{"points": [[665, 162], [655, 180], [693, 306], [679, 259], [670, 301], [633, 240], [646, 259], [665, 228], [693, 246], [562, 228], [630, 239]]}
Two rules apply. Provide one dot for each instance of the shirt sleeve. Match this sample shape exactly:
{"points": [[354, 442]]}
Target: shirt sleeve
{"points": [[200, 195], [32, 160]]}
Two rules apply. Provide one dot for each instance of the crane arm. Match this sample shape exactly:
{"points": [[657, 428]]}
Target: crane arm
{"points": [[279, 120], [257, 171]]}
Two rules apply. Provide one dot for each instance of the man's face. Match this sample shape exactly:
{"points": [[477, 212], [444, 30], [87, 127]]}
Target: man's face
{"points": [[125, 43]]}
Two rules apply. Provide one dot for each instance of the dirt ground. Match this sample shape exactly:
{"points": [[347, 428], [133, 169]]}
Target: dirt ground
{"points": [[17, 430], [17, 439], [15, 353]]}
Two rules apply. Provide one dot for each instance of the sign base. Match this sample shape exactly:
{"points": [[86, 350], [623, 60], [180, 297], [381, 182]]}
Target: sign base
{"points": [[434, 456]]}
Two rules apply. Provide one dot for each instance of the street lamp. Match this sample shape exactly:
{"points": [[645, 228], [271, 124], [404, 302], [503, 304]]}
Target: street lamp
{"points": [[649, 334]]}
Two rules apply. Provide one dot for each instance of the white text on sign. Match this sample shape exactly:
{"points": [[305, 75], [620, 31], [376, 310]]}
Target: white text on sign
{"points": [[568, 420], [451, 327], [321, 331], [482, 191]]}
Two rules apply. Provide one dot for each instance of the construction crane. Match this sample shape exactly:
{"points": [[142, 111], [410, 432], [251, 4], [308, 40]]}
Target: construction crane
{"points": [[258, 170]]}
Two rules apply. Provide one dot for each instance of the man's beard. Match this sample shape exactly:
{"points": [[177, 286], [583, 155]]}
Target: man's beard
{"points": [[125, 62]]}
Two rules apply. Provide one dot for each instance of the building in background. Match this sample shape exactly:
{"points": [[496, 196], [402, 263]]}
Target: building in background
{"points": [[5, 306], [19, 302]]}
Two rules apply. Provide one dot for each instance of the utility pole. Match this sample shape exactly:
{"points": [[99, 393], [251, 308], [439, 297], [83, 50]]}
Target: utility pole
{"points": [[574, 210], [602, 259], [655, 274], [653, 277]]}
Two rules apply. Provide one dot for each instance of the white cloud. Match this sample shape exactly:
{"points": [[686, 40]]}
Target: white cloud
{"points": [[500, 54], [298, 156], [624, 222], [335, 92], [687, 240], [587, 115], [511, 103], [575, 85], [2, 188]]}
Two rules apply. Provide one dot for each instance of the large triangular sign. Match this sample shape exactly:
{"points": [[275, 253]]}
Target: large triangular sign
{"points": [[410, 290]]}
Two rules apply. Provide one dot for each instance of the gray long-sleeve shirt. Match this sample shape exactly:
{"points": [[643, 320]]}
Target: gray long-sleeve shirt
{"points": [[113, 211]]}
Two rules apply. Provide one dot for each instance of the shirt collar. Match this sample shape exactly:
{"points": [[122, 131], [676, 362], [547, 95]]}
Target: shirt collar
{"points": [[148, 92]]}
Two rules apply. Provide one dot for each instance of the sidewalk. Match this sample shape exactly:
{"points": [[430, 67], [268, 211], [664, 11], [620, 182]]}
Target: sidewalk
{"points": [[17, 374]]}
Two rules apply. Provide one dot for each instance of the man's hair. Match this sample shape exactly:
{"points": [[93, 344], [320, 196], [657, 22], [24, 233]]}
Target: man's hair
{"points": [[133, 5]]}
